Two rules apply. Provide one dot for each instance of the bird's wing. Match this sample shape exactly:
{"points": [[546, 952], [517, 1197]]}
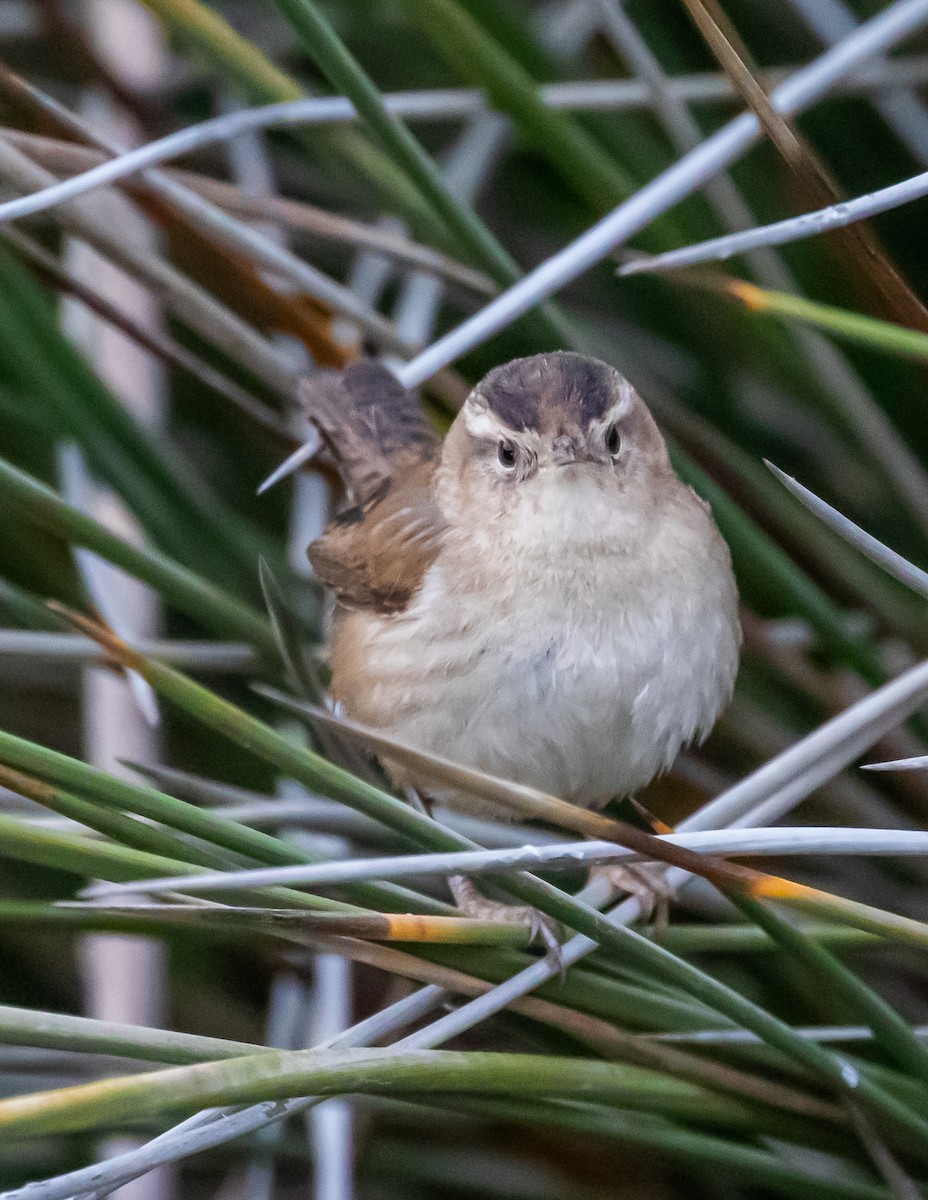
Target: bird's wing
{"points": [[374, 428], [375, 553]]}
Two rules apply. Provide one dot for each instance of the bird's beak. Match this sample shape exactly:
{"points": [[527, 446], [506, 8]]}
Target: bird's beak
{"points": [[570, 451]]}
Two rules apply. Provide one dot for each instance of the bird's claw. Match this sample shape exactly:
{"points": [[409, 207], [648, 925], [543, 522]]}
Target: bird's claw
{"points": [[647, 882], [543, 929], [546, 932]]}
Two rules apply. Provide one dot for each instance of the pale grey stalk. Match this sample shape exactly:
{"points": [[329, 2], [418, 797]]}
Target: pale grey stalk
{"points": [[296, 215], [116, 597], [331, 1125], [891, 562], [686, 176], [432, 105], [747, 1037], [467, 166], [22, 646], [781, 233], [286, 1013], [18, 19], [330, 816], [125, 978], [727, 843], [95, 220], [903, 111], [849, 397], [919, 763], [214, 1127]]}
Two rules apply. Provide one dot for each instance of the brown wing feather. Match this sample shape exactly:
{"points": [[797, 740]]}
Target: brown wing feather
{"points": [[375, 553], [374, 428]]}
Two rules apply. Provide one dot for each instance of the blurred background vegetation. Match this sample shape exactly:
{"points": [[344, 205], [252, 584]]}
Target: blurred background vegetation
{"points": [[151, 338]]}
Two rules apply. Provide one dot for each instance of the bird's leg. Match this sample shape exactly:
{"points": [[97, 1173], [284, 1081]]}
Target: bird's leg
{"points": [[647, 882], [473, 903]]}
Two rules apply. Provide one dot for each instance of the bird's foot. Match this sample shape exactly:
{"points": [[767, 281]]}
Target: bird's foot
{"points": [[647, 882], [473, 903]]}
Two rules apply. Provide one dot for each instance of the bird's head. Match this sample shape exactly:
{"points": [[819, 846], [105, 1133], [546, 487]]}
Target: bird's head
{"points": [[550, 430]]}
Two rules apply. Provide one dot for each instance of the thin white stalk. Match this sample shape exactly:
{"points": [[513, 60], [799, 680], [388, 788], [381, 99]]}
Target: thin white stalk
{"points": [[570, 855], [920, 763], [324, 1010], [331, 1124], [286, 1013], [429, 105], [19, 19], [891, 562], [686, 176], [114, 594], [214, 1127], [844, 738], [746, 1037], [902, 110], [302, 455], [850, 398], [330, 816], [124, 978], [31, 646], [781, 233], [67, 158], [297, 273], [467, 167]]}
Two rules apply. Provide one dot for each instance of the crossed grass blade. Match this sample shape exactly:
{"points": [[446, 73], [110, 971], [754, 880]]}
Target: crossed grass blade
{"points": [[616, 940], [316, 772], [858, 241], [717, 1151], [281, 1075], [178, 584]]}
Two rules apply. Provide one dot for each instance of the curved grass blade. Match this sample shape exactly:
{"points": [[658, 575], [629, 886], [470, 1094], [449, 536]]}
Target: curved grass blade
{"points": [[123, 829], [891, 1032], [62, 1031], [897, 566], [98, 786], [178, 585], [279, 1075], [345, 74], [871, 332]]}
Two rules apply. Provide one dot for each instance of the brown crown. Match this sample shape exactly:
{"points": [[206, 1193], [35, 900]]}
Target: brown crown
{"points": [[550, 391]]}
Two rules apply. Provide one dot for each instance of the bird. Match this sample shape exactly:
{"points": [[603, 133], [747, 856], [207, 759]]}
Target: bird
{"points": [[537, 596]]}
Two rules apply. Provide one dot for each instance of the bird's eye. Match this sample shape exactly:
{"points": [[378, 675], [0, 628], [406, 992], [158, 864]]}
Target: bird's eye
{"points": [[506, 455], [613, 440]]}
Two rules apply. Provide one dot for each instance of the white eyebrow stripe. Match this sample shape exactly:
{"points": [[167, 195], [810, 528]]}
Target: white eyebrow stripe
{"points": [[480, 422], [625, 401], [620, 409]]}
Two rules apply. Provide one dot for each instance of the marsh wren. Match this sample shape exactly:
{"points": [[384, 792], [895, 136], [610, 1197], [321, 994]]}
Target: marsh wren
{"points": [[538, 596]]}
